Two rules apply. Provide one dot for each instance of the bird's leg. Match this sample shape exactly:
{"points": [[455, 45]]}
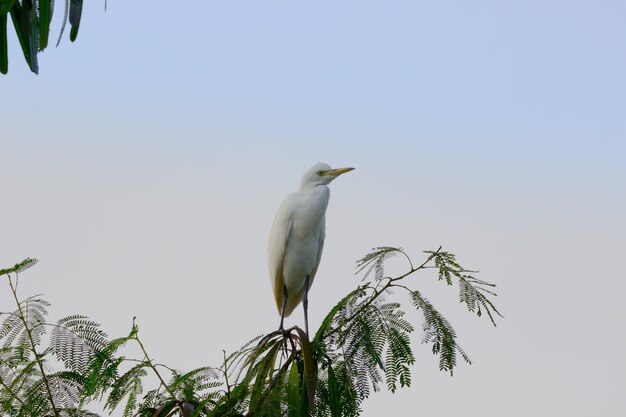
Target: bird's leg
{"points": [[282, 310], [305, 304], [281, 329]]}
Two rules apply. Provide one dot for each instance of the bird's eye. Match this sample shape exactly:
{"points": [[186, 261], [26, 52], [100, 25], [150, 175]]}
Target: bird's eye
{"points": [[320, 173]]}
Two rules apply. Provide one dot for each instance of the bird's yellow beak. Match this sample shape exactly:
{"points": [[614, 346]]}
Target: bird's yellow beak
{"points": [[338, 171]]}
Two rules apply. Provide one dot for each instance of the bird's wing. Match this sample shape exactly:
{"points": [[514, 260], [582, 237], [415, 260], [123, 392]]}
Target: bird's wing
{"points": [[319, 252], [279, 238]]}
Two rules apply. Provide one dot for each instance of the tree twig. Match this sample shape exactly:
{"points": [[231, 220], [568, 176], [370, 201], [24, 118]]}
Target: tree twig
{"points": [[32, 345]]}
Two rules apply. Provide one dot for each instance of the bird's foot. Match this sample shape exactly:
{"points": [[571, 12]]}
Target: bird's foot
{"points": [[286, 334]]}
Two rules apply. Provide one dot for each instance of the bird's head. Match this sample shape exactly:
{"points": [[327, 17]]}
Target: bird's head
{"points": [[321, 174]]}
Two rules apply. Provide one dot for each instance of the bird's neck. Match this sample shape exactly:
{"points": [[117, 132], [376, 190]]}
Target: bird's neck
{"points": [[316, 196], [313, 189]]}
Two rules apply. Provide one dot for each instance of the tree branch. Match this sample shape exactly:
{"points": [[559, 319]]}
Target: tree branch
{"points": [[33, 346]]}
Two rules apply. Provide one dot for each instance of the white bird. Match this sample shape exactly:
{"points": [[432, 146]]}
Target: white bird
{"points": [[297, 239]]}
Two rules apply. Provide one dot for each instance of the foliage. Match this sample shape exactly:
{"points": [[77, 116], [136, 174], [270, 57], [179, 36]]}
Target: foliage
{"points": [[362, 346], [31, 21]]}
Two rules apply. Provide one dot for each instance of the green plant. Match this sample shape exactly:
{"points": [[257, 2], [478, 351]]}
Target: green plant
{"points": [[362, 345], [31, 21]]}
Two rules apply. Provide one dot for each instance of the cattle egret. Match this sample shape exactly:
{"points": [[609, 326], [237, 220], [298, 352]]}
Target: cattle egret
{"points": [[297, 239]]}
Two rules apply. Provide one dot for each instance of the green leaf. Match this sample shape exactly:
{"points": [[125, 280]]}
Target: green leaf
{"points": [[305, 402], [331, 315], [129, 384], [45, 17], [76, 9], [5, 6], [25, 264], [375, 260], [398, 359], [309, 366], [264, 369], [472, 293], [196, 379], [293, 392], [439, 332], [76, 339], [26, 28], [4, 51], [334, 397]]}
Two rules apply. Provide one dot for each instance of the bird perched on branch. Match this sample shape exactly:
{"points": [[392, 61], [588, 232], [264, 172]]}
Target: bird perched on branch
{"points": [[297, 239]]}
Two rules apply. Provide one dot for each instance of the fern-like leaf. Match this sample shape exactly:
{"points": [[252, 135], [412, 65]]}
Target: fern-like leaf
{"points": [[472, 293], [439, 332], [339, 307], [128, 385], [66, 389], [19, 267], [76, 339], [190, 385], [30, 318], [447, 264], [374, 261]]}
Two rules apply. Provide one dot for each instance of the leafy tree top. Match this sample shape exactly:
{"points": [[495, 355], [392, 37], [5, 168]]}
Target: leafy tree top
{"points": [[362, 346]]}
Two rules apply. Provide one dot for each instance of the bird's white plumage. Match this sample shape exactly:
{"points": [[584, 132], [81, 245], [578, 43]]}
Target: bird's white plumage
{"points": [[297, 236]]}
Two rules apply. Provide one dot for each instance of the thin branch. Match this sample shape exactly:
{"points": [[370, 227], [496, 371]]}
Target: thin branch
{"points": [[387, 285], [166, 367], [32, 345], [151, 365], [408, 258], [172, 370]]}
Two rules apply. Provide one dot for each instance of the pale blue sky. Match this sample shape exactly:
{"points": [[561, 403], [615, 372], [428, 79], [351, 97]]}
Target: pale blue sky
{"points": [[166, 138]]}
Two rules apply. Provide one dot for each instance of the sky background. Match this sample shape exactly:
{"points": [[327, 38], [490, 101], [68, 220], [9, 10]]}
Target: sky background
{"points": [[144, 164]]}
